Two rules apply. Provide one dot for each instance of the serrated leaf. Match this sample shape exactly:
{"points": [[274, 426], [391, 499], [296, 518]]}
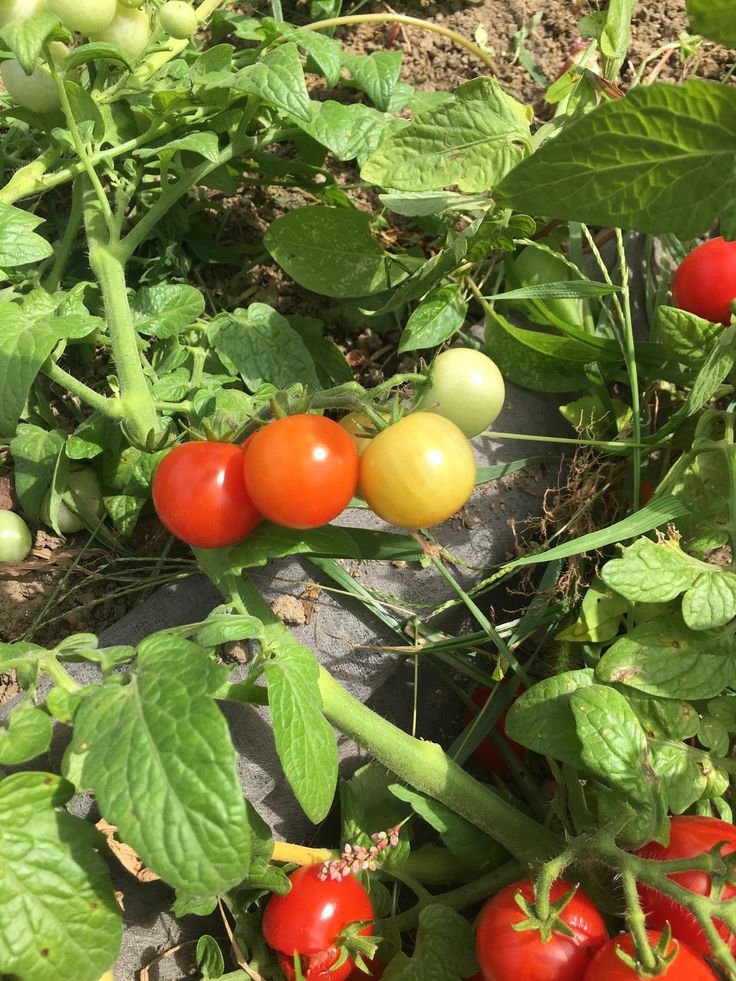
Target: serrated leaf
{"points": [[435, 320], [277, 79], [59, 921], [718, 363], [166, 309], [26, 735], [19, 244], [541, 718], [659, 160], [714, 19], [263, 347], [160, 760], [689, 338]]}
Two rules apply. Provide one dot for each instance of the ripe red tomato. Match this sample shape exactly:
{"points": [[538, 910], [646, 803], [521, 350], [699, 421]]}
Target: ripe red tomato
{"points": [[301, 471], [417, 472], [309, 919], [705, 281], [646, 490], [199, 494], [486, 753], [608, 966], [690, 835], [505, 954]]}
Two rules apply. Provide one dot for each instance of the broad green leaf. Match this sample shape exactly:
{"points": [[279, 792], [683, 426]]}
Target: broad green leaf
{"points": [[614, 39], [59, 921], [263, 347], [278, 80], [714, 19], [324, 51], [680, 771], [599, 617], [377, 74], [96, 51], [159, 757], [718, 363], [659, 160], [329, 361], [222, 411], [330, 251], [468, 142], [689, 338], [351, 131], [226, 627], [203, 144], [90, 437], [541, 718], [304, 739], [35, 452], [665, 658], [368, 805], [435, 320], [26, 735], [418, 204], [444, 949], [19, 244], [166, 309], [26, 38], [663, 718]]}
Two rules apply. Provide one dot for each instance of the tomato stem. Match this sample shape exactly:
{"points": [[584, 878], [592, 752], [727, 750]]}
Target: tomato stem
{"points": [[636, 921]]}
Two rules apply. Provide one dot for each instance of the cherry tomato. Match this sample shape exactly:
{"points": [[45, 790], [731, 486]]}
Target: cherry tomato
{"points": [[646, 490], [129, 29], [15, 537], [200, 495], [418, 472], [608, 966], [486, 753], [309, 919], [690, 835], [705, 281], [36, 91], [178, 19], [301, 471], [505, 954], [86, 16], [465, 387], [86, 497]]}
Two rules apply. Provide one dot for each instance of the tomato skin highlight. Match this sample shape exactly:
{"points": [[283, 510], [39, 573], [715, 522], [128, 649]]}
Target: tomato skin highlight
{"points": [[309, 919], [486, 752], [705, 281], [608, 966], [465, 387], [418, 472], [301, 471], [690, 835], [200, 496], [505, 954]]}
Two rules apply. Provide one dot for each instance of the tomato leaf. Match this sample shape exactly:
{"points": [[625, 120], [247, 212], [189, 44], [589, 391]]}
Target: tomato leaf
{"points": [[35, 452], [689, 338], [377, 74], [19, 244], [158, 754], [26, 735], [713, 19], [166, 309], [435, 320], [541, 719], [65, 923], [329, 361], [599, 617], [277, 79], [444, 949], [27, 38], [352, 131]]}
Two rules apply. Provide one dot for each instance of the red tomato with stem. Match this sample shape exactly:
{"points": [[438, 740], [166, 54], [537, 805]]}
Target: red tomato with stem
{"points": [[608, 966], [200, 496], [487, 753], [705, 281], [309, 919], [690, 835], [301, 471], [506, 954]]}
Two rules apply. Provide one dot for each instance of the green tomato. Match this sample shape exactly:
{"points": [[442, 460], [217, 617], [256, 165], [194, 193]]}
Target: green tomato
{"points": [[17, 11], [129, 29], [86, 495], [86, 16], [36, 92], [178, 19], [15, 537], [131, 3], [535, 266], [466, 387]]}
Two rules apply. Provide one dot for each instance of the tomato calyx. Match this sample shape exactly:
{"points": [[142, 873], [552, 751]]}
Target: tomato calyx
{"points": [[546, 925], [663, 958]]}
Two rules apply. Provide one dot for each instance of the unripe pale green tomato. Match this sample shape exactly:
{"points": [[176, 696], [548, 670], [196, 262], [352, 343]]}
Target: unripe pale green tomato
{"points": [[15, 537], [465, 387], [86, 16], [178, 19], [86, 493], [129, 29], [36, 92], [131, 3], [17, 11]]}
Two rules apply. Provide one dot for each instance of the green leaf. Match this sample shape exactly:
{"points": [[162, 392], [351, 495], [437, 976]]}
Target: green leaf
{"points": [[26, 38], [599, 617], [377, 75], [330, 251], [325, 52], [472, 142], [224, 628], [659, 160], [60, 920], [277, 79], [96, 51], [680, 771], [614, 38], [435, 320], [689, 338], [263, 347], [166, 309], [665, 658], [541, 718], [159, 758], [204, 145], [368, 805], [419, 204], [444, 949], [716, 366], [19, 244], [26, 735], [35, 452], [329, 361], [304, 739], [350, 131], [714, 19]]}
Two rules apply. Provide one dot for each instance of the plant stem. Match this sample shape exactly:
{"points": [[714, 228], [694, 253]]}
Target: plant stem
{"points": [[599, 443], [278, 14], [424, 25], [70, 233], [631, 367], [100, 403], [636, 921]]}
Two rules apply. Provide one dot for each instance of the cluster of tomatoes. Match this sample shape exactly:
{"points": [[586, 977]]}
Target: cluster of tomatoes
{"points": [[315, 919], [302, 471]]}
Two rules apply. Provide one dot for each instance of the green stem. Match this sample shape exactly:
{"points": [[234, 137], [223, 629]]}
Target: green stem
{"points": [[423, 25], [599, 443], [631, 367], [29, 179], [58, 674], [100, 403], [636, 922], [70, 234]]}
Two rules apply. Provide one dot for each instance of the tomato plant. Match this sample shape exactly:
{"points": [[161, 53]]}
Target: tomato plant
{"points": [[486, 752], [705, 281], [83, 487], [200, 496], [508, 954], [418, 472], [178, 19], [467, 388], [301, 471], [129, 29], [310, 920], [608, 966], [36, 91], [361, 429], [15, 537], [690, 835], [88, 17]]}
